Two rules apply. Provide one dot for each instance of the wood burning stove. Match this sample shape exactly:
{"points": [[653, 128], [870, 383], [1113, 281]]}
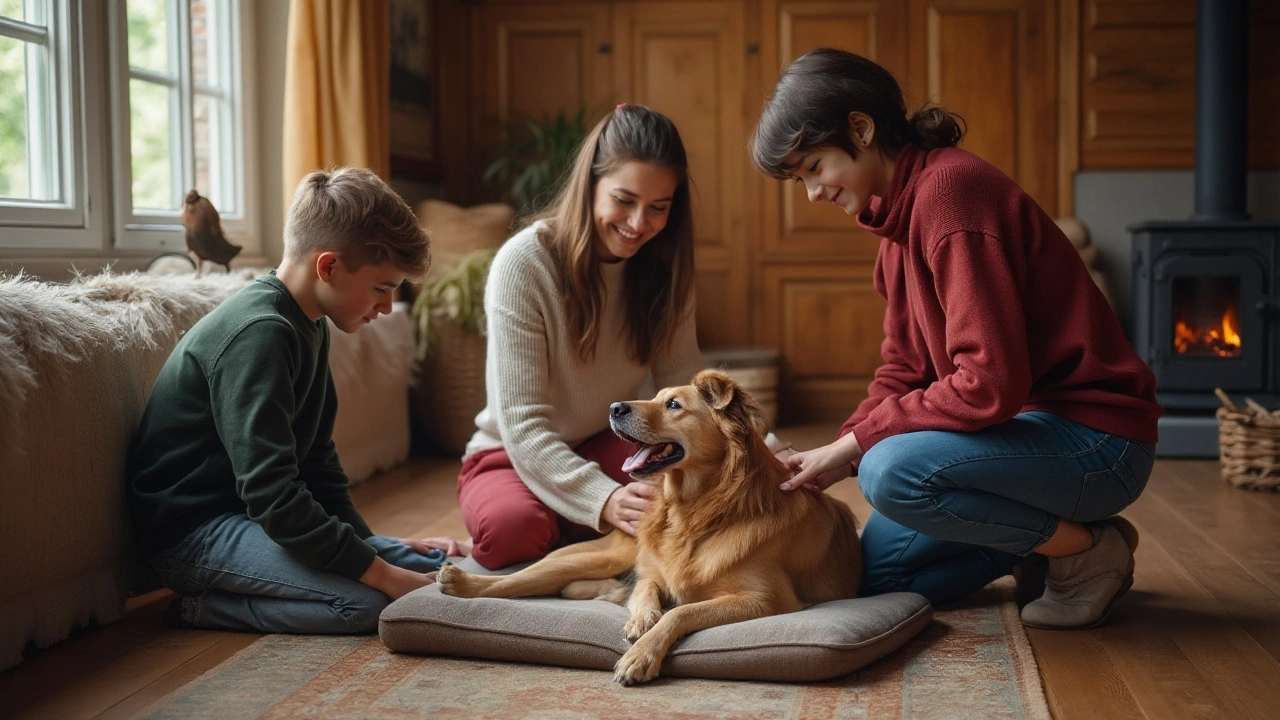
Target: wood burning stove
{"points": [[1205, 311], [1204, 290]]}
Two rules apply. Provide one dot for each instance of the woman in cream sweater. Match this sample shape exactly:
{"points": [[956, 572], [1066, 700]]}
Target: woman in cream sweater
{"points": [[584, 304]]}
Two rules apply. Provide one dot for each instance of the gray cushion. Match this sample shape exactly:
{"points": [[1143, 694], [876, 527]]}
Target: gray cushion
{"points": [[823, 641]]}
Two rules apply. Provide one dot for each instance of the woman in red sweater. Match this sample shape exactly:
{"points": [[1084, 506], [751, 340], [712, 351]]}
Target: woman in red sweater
{"points": [[1011, 418]]}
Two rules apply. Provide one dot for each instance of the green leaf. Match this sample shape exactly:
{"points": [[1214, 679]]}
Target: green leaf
{"points": [[456, 296]]}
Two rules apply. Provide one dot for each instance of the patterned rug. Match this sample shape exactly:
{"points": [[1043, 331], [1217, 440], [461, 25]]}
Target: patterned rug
{"points": [[971, 661]]}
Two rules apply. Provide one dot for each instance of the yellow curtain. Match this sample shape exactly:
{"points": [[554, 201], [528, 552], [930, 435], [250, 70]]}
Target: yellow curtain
{"points": [[337, 88]]}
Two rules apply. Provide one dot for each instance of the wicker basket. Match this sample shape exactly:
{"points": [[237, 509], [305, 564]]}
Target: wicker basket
{"points": [[1249, 444], [450, 390]]}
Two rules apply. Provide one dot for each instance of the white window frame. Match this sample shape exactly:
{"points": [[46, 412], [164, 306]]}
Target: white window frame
{"points": [[66, 222], [95, 217], [161, 230]]}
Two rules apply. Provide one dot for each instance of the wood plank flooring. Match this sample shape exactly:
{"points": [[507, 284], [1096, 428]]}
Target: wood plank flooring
{"points": [[1197, 637]]}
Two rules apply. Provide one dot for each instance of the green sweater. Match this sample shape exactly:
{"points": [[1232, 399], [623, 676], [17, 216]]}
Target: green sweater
{"points": [[241, 420]]}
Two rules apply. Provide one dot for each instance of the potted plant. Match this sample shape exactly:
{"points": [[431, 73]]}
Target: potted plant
{"points": [[532, 162], [449, 323]]}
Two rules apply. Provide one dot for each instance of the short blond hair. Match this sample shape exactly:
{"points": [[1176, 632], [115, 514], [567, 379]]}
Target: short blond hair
{"points": [[352, 212]]}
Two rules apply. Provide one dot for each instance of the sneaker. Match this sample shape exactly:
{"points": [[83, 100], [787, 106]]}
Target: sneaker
{"points": [[1081, 589]]}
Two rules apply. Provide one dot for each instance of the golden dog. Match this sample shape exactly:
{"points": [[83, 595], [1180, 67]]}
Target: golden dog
{"points": [[720, 544]]}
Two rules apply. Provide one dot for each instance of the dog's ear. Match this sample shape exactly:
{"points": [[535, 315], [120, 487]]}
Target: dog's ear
{"points": [[724, 395], [716, 388]]}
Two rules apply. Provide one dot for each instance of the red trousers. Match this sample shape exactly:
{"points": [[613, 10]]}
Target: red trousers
{"points": [[507, 522]]}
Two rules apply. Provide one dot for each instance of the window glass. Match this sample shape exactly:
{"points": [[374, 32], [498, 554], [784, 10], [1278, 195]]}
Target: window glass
{"points": [[151, 146]]}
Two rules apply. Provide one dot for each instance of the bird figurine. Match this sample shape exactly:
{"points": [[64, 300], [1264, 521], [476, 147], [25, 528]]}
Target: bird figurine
{"points": [[204, 233]]}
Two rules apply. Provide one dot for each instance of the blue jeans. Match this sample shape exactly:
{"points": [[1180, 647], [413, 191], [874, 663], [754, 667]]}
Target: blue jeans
{"points": [[954, 511], [234, 577]]}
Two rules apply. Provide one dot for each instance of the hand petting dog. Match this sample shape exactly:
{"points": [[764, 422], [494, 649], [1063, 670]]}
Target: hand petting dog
{"points": [[627, 504], [822, 467]]}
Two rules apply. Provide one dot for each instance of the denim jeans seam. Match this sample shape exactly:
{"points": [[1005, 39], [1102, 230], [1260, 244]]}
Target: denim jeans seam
{"points": [[273, 581], [1019, 456], [939, 508]]}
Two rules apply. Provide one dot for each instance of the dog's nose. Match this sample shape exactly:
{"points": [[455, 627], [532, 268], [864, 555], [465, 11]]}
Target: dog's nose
{"points": [[619, 409]]}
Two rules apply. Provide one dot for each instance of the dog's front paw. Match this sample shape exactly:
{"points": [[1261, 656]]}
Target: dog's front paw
{"points": [[640, 664], [641, 622], [454, 581]]}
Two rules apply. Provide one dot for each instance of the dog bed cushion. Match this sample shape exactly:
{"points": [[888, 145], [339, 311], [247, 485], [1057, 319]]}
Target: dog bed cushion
{"points": [[820, 642]]}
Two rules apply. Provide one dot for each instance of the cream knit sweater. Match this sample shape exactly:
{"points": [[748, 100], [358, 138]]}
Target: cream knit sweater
{"points": [[543, 400]]}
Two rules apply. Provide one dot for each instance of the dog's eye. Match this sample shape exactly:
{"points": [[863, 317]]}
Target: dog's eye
{"points": [[673, 404]]}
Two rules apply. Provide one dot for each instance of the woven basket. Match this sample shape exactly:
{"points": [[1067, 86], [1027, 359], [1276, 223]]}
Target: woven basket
{"points": [[450, 390], [1249, 444]]}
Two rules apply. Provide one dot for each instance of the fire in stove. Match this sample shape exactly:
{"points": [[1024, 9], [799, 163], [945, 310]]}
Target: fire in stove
{"points": [[1222, 339], [1207, 316]]}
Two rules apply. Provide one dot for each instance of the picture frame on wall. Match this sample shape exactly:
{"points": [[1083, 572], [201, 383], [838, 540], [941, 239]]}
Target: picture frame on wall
{"points": [[413, 122]]}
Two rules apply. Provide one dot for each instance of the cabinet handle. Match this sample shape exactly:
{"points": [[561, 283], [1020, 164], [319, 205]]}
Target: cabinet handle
{"points": [[753, 48], [606, 48]]}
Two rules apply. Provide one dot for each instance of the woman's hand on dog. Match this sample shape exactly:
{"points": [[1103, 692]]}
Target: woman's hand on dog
{"points": [[822, 467], [627, 504]]}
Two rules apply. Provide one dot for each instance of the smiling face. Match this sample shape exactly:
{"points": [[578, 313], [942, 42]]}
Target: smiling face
{"points": [[630, 207], [831, 175], [351, 299]]}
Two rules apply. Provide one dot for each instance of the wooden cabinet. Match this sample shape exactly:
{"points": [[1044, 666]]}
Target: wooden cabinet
{"points": [[685, 59]]}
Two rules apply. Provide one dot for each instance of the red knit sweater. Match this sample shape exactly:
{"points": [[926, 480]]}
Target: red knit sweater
{"points": [[991, 312]]}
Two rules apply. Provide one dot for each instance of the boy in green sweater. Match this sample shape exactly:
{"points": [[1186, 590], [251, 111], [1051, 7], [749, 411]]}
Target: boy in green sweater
{"points": [[237, 496]]}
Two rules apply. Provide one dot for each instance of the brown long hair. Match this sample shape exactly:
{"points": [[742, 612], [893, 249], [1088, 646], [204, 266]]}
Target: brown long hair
{"points": [[811, 103], [658, 279]]}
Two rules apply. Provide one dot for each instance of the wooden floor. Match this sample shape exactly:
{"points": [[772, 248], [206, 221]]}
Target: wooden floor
{"points": [[1197, 637]]}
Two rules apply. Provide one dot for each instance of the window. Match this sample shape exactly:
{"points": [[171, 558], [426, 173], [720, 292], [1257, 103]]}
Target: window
{"points": [[107, 170]]}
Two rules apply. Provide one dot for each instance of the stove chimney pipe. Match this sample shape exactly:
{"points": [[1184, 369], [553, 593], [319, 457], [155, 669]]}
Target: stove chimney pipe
{"points": [[1222, 79]]}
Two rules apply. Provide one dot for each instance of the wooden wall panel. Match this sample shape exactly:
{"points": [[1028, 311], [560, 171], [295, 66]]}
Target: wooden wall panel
{"points": [[994, 63], [1264, 84], [686, 59], [827, 321], [815, 302], [872, 29], [1137, 84], [532, 60]]}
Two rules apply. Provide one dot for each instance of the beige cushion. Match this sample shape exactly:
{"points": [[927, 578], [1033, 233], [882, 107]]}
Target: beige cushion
{"points": [[457, 231], [824, 641]]}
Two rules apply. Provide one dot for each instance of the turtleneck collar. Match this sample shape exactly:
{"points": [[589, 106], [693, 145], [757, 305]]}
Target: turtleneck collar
{"points": [[890, 216]]}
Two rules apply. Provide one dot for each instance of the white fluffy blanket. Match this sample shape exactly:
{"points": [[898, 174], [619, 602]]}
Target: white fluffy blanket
{"points": [[45, 325]]}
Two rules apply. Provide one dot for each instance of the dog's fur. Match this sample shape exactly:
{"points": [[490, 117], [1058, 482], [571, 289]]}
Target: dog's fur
{"points": [[722, 543]]}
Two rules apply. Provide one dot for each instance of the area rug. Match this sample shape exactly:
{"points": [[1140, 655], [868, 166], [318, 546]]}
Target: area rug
{"points": [[972, 661]]}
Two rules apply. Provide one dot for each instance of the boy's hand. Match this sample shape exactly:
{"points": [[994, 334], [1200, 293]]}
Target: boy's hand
{"points": [[451, 547], [822, 467], [394, 581]]}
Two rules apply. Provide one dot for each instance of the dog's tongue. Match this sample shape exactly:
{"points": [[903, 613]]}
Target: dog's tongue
{"points": [[637, 461]]}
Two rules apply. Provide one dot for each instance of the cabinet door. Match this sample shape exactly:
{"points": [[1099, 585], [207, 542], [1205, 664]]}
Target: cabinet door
{"points": [[686, 60], [816, 303], [994, 62], [535, 59]]}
